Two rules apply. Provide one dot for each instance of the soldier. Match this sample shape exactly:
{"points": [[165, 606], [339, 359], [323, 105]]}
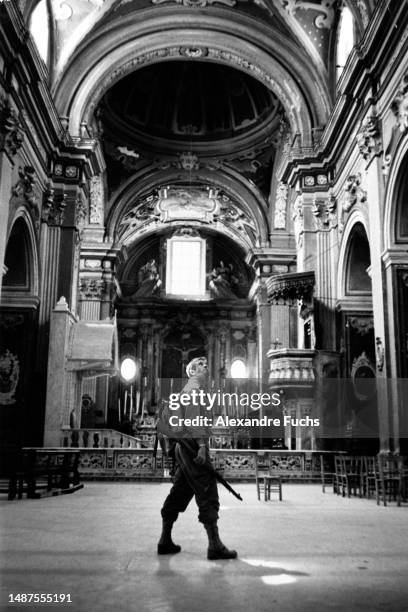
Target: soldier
{"points": [[192, 479]]}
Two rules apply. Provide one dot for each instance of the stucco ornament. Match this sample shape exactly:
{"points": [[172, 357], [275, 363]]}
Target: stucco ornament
{"points": [[324, 7]]}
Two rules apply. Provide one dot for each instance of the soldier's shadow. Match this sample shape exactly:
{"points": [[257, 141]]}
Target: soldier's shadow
{"points": [[218, 584]]}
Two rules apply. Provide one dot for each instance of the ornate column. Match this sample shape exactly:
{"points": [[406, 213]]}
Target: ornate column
{"points": [[52, 218], [325, 218], [369, 142]]}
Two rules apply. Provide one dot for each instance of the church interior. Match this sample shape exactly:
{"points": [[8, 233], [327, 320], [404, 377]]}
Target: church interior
{"points": [[224, 179], [203, 177]]}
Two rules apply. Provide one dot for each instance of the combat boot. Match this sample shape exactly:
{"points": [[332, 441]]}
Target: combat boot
{"points": [[216, 549], [166, 546]]}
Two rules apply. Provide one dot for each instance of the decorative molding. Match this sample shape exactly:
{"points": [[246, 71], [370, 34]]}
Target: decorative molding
{"points": [[48, 203], [92, 288], [362, 371], [362, 7], [379, 354], [188, 161], [81, 211], [124, 150], [319, 213], [324, 212], [326, 8], [222, 280], [362, 325], [196, 3], [193, 52], [96, 200], [312, 182], [232, 215], [331, 207], [353, 192], [24, 186], [399, 105], [291, 286], [386, 163], [149, 280], [296, 366], [184, 203], [11, 129], [53, 209], [280, 206], [191, 232], [298, 219], [65, 170], [369, 138]]}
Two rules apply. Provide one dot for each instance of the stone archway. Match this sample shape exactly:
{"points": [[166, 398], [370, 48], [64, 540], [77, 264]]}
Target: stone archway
{"points": [[86, 79]]}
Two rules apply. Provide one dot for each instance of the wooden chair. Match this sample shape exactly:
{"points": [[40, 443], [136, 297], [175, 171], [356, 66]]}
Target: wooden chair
{"points": [[267, 480], [352, 475], [391, 478], [327, 472], [339, 483], [370, 476]]}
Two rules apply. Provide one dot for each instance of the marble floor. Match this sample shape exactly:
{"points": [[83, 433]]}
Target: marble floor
{"points": [[311, 552]]}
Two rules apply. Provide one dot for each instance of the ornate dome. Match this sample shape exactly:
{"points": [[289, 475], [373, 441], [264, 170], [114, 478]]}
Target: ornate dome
{"points": [[193, 102]]}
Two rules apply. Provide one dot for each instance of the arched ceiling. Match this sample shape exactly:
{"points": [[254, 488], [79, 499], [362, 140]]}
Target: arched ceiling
{"points": [[309, 24]]}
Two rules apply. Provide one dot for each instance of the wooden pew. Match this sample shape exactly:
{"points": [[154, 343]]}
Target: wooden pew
{"points": [[43, 472]]}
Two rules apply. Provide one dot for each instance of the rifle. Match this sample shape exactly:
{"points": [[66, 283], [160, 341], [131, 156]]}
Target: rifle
{"points": [[209, 468], [156, 444]]}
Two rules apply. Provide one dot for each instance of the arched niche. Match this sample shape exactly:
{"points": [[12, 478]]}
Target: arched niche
{"points": [[396, 200], [16, 260], [21, 264], [401, 220], [358, 261], [143, 273], [355, 243]]}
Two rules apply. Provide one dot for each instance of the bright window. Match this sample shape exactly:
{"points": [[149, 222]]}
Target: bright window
{"points": [[185, 270], [238, 369], [345, 40], [128, 369], [39, 29]]}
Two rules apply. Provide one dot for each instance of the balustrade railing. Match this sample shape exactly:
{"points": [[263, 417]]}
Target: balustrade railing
{"points": [[99, 438], [128, 463]]}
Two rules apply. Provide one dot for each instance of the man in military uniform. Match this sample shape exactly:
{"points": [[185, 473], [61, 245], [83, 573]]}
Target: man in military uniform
{"points": [[192, 479]]}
